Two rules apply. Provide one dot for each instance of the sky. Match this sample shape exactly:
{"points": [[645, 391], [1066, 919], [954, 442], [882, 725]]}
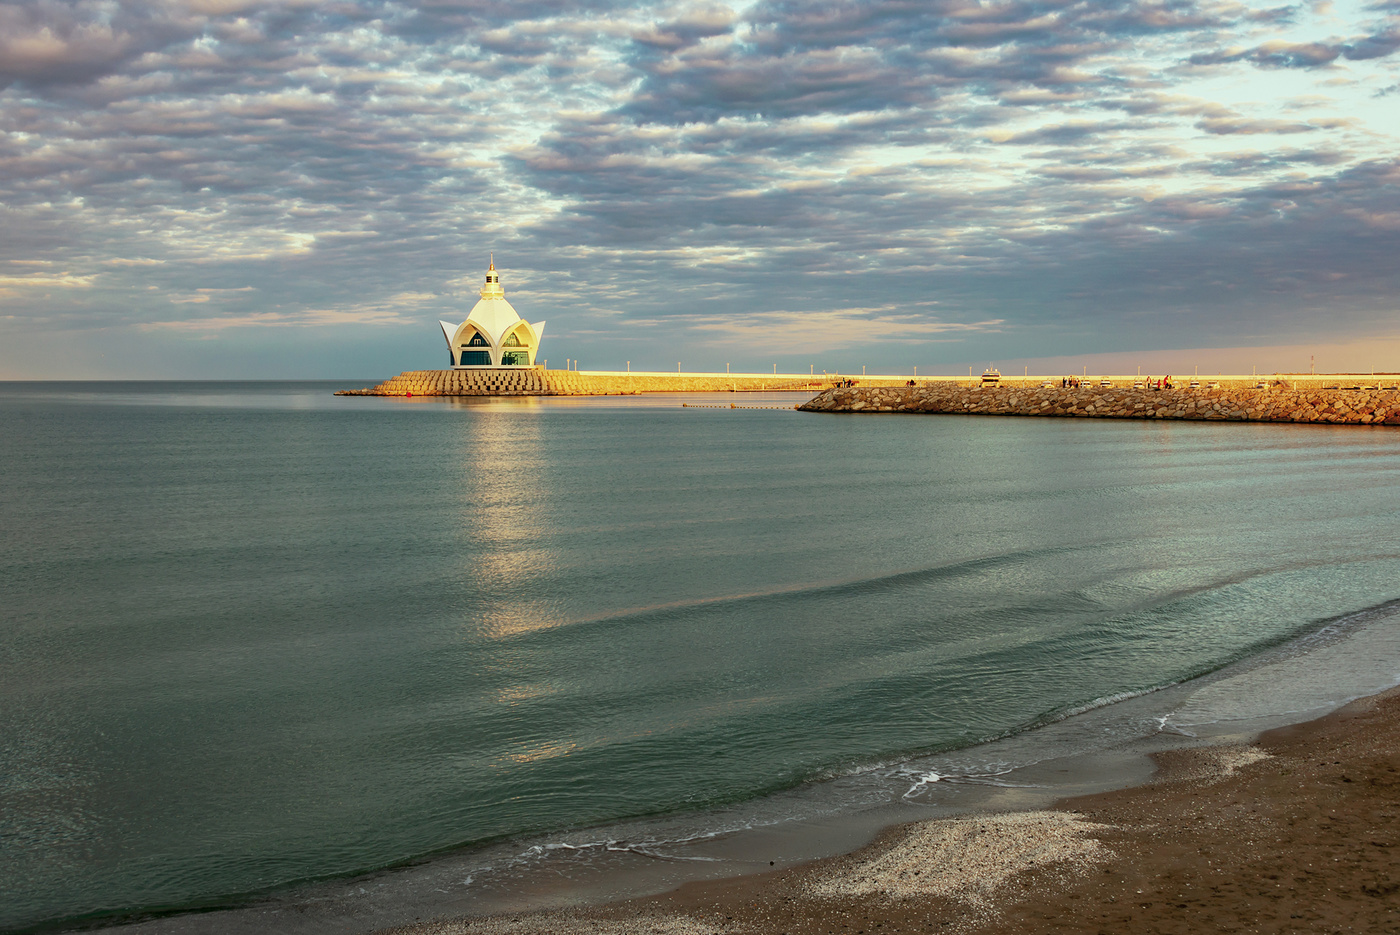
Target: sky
{"points": [[240, 189]]}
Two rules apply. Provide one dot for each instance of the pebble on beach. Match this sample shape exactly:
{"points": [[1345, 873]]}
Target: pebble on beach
{"points": [[968, 859]]}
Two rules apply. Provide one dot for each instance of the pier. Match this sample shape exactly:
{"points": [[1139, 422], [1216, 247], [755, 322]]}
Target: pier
{"points": [[536, 381], [1329, 397]]}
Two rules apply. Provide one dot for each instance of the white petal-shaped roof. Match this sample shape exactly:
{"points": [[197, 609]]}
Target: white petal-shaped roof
{"points": [[495, 317]]}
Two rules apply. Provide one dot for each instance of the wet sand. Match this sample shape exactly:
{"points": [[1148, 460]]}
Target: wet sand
{"points": [[1295, 832]]}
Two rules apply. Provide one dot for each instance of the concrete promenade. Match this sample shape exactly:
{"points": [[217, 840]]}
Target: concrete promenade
{"points": [[533, 381], [1328, 401], [536, 381]]}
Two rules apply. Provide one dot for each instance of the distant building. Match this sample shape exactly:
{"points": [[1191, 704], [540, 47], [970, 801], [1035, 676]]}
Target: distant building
{"points": [[493, 335]]}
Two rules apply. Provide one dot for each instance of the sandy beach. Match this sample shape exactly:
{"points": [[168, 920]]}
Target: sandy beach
{"points": [[1295, 832]]}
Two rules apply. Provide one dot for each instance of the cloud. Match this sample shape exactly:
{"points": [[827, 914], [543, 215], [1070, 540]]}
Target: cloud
{"points": [[973, 176], [52, 41], [819, 330], [1281, 54], [1232, 125], [43, 281], [1074, 132], [698, 22], [369, 314]]}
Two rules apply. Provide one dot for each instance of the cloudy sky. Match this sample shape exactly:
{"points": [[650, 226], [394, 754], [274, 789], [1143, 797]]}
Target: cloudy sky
{"points": [[232, 188]]}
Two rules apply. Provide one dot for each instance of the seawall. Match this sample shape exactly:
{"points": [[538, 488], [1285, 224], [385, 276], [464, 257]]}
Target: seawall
{"points": [[1272, 404], [531, 381], [537, 381]]}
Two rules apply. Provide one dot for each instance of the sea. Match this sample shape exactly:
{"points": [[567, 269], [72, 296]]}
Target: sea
{"points": [[272, 659]]}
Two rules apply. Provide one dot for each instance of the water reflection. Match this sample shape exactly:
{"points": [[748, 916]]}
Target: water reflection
{"points": [[483, 402], [502, 496]]}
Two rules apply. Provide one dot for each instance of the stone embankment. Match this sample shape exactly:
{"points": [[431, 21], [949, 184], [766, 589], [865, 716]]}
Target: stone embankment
{"points": [[1272, 404], [531, 381]]}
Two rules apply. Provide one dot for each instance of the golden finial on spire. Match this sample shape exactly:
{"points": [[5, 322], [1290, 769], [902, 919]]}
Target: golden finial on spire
{"points": [[492, 289]]}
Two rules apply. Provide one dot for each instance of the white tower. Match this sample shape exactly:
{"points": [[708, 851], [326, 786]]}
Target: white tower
{"points": [[494, 334]]}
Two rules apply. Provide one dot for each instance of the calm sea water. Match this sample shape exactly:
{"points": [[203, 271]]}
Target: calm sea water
{"points": [[253, 634]]}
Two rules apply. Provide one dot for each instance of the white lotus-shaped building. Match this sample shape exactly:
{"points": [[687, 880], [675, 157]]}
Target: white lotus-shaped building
{"points": [[493, 335]]}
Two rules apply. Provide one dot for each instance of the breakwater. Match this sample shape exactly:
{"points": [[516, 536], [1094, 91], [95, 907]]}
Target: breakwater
{"points": [[1280, 403], [532, 381]]}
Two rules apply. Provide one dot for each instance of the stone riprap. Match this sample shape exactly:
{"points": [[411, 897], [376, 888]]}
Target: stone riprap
{"points": [[532, 381], [1272, 404]]}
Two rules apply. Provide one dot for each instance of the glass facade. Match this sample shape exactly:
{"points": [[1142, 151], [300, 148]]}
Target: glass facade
{"points": [[476, 358], [515, 359], [512, 341], [477, 341]]}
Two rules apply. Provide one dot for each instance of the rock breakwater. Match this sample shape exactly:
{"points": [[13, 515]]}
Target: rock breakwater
{"points": [[1272, 404]]}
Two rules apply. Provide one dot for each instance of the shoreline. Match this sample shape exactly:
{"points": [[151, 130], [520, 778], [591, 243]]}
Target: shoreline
{"points": [[1293, 830], [629, 884]]}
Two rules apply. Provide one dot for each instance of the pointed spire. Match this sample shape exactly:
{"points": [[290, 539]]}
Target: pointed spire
{"points": [[492, 289]]}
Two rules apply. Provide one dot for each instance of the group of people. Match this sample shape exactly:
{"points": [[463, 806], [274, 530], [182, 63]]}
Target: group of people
{"points": [[1074, 383]]}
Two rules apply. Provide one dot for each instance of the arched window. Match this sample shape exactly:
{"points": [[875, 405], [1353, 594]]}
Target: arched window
{"points": [[476, 341], [512, 341]]}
